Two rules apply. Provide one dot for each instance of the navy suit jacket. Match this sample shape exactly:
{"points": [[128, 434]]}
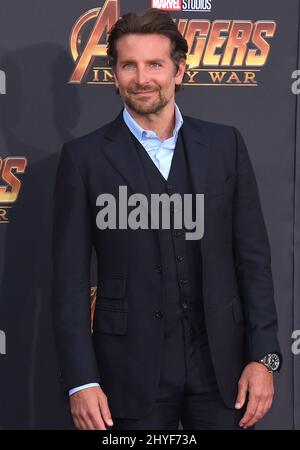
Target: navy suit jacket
{"points": [[124, 352]]}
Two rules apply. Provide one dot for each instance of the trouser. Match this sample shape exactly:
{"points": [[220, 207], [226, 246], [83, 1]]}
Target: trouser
{"points": [[188, 391]]}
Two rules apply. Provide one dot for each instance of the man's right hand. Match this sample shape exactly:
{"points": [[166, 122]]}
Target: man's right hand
{"points": [[89, 408]]}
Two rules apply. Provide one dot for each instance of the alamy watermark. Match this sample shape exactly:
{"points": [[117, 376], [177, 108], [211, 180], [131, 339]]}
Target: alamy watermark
{"points": [[296, 344], [2, 343], [164, 211], [2, 82], [296, 84], [2, 334]]}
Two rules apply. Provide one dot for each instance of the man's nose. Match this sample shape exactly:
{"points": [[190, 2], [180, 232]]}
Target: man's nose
{"points": [[141, 76]]}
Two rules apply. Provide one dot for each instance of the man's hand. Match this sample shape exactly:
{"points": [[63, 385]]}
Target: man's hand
{"points": [[89, 408], [258, 382]]}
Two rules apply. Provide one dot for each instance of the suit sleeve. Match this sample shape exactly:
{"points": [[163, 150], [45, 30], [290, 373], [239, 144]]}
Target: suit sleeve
{"points": [[71, 251], [253, 259]]}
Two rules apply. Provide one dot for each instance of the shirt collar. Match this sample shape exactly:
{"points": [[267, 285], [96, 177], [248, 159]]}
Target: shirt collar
{"points": [[141, 134]]}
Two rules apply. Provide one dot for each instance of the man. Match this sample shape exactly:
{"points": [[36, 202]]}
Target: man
{"points": [[184, 330]]}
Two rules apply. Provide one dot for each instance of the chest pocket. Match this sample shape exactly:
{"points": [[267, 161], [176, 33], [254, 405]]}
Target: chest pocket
{"points": [[224, 187]]}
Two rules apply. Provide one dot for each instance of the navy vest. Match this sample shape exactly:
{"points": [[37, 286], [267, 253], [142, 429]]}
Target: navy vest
{"points": [[181, 259]]}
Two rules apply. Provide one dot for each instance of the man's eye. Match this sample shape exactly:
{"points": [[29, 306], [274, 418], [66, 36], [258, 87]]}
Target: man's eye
{"points": [[155, 65], [128, 66]]}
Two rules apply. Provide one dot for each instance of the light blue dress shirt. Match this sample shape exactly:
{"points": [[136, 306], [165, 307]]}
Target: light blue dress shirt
{"points": [[161, 153]]}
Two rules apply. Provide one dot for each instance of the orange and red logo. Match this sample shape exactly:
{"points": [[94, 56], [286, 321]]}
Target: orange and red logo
{"points": [[221, 52], [10, 184]]}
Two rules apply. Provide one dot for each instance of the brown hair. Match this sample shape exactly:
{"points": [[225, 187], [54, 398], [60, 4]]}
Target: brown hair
{"points": [[150, 21]]}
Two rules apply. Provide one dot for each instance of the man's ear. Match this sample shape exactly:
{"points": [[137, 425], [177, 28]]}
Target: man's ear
{"points": [[116, 81], [181, 71]]}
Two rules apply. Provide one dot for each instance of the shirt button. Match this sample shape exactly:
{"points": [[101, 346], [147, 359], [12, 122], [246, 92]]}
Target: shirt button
{"points": [[184, 305], [184, 281], [158, 315]]}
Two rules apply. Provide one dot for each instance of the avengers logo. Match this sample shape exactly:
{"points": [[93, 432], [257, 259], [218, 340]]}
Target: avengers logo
{"points": [[10, 184], [221, 52]]}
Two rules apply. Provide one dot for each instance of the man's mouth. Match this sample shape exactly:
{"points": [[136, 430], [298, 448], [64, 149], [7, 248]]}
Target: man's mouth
{"points": [[143, 92]]}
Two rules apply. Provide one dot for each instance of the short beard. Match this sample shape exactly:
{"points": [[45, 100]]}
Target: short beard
{"points": [[145, 109]]}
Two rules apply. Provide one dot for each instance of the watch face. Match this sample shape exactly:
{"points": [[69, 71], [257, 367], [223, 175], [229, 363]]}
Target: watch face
{"points": [[273, 361]]}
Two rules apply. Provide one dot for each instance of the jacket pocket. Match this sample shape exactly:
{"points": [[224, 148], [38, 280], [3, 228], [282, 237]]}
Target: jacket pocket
{"points": [[221, 188], [111, 293]]}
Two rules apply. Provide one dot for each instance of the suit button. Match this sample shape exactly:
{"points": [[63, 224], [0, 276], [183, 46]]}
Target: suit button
{"points": [[158, 269], [184, 305], [178, 233], [170, 188], [158, 315], [184, 281], [180, 258]]}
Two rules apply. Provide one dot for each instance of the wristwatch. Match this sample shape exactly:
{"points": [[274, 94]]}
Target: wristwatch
{"points": [[272, 362]]}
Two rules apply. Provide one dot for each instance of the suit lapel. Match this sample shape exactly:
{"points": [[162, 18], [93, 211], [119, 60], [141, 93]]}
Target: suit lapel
{"points": [[119, 149], [197, 150], [121, 152]]}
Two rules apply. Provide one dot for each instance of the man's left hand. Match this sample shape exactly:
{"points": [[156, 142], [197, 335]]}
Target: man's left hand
{"points": [[257, 381]]}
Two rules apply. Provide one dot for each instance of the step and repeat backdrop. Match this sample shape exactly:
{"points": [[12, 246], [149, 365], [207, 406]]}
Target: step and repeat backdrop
{"points": [[55, 85]]}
